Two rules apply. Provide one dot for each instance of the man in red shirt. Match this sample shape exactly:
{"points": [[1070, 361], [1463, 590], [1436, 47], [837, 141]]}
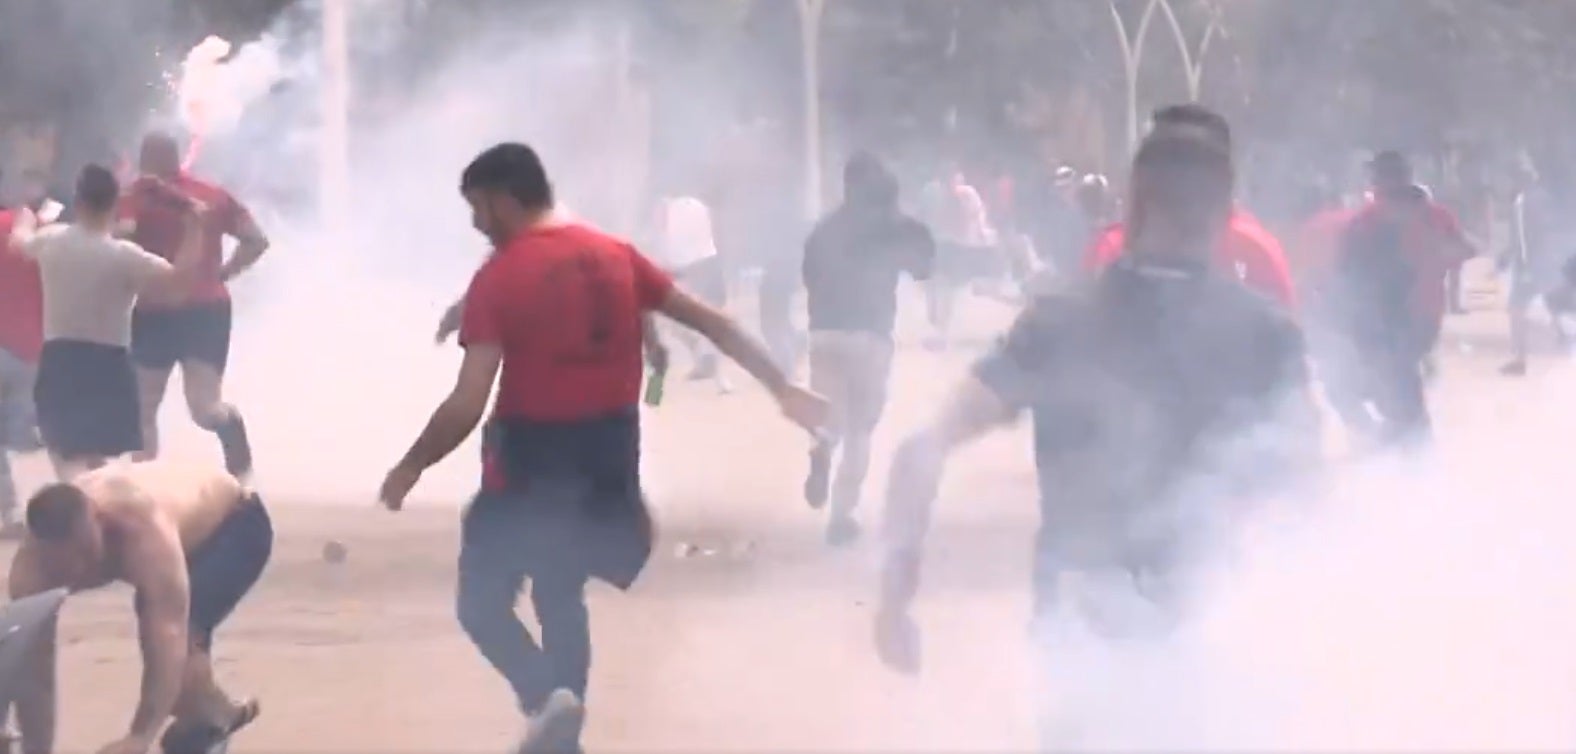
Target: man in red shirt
{"points": [[191, 327], [21, 340], [1247, 250], [1395, 255], [558, 308]]}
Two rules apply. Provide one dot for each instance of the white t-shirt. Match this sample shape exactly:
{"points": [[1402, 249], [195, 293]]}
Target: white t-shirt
{"points": [[90, 281], [686, 233]]}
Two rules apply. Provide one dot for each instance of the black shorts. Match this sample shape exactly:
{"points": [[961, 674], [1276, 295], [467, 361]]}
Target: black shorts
{"points": [[86, 399], [162, 338], [226, 566]]}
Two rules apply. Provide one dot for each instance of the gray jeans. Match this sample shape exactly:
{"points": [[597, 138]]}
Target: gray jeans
{"points": [[18, 422]]}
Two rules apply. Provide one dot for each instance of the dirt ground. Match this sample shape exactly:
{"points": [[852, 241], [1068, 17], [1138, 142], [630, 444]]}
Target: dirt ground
{"points": [[745, 634]]}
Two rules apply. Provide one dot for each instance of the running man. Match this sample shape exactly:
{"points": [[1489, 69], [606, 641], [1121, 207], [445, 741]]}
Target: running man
{"points": [[558, 307], [852, 263], [1163, 394], [21, 340], [1536, 260], [191, 541], [86, 392], [189, 327], [1247, 251], [1389, 304]]}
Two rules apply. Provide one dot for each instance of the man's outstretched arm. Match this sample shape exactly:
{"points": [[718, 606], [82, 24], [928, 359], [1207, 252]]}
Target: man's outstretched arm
{"points": [[157, 569]]}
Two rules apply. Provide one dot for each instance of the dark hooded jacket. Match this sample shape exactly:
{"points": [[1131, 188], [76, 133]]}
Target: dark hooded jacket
{"points": [[855, 255]]}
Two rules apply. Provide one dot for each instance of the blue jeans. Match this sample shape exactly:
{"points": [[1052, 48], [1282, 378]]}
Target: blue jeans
{"points": [[503, 545], [18, 422]]}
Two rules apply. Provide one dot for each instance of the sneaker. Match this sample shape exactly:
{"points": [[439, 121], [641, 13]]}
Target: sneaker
{"points": [[818, 483], [842, 530], [556, 727]]}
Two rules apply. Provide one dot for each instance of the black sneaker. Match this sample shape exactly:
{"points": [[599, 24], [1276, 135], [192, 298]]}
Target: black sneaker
{"points": [[818, 483]]}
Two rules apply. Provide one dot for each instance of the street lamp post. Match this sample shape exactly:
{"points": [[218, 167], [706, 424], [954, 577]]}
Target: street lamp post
{"points": [[810, 12], [334, 138]]}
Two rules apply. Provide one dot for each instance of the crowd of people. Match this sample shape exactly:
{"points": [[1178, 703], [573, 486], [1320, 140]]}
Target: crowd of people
{"points": [[1151, 352]]}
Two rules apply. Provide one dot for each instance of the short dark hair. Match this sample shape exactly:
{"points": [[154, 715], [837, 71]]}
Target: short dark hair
{"points": [[54, 511], [160, 152], [97, 188], [1197, 116], [1187, 172], [511, 168]]}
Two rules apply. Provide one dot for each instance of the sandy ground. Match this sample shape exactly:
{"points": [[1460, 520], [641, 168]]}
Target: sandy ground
{"points": [[745, 634]]}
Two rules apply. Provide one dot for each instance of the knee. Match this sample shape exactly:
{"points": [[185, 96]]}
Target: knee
{"points": [[480, 611], [210, 416], [559, 605]]}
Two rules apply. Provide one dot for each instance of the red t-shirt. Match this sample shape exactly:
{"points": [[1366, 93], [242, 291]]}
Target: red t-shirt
{"points": [[1247, 250], [564, 303], [1434, 246], [158, 229], [21, 299]]}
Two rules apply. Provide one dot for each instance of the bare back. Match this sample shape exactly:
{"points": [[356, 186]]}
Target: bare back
{"points": [[195, 498]]}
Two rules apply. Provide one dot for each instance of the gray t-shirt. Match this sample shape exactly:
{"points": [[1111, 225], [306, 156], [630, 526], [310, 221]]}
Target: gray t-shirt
{"points": [[91, 281], [1157, 395]]}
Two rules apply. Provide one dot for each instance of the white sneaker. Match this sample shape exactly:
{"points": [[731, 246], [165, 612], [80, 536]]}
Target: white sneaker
{"points": [[556, 727]]}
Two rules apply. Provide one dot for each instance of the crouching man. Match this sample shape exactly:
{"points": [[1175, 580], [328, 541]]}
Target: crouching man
{"points": [[191, 541]]}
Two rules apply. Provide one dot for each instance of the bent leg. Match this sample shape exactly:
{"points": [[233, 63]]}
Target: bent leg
{"points": [[151, 384], [490, 579], [223, 571], [204, 385], [560, 605]]}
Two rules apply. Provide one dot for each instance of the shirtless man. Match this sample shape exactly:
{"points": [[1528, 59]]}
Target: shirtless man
{"points": [[192, 542]]}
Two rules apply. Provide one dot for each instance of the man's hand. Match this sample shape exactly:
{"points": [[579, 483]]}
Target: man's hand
{"points": [[657, 356], [128, 745], [803, 407], [396, 486], [897, 640], [449, 323]]}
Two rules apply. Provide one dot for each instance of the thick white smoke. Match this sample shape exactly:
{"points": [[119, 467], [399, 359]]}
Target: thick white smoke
{"points": [[1425, 605], [334, 365]]}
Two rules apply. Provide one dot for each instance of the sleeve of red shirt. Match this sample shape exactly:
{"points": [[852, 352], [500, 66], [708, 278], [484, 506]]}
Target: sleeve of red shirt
{"points": [[480, 324], [1107, 248], [652, 285], [1264, 265]]}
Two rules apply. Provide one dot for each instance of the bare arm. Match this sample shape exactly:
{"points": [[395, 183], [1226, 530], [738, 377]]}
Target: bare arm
{"points": [[251, 244], [970, 412], [457, 416], [35, 701], [23, 229], [157, 569], [656, 351], [725, 333]]}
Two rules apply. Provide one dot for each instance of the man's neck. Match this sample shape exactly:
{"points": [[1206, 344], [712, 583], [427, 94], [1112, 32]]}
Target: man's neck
{"points": [[95, 223]]}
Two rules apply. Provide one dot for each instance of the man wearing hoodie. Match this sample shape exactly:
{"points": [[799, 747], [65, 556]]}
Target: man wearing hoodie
{"points": [[852, 262]]}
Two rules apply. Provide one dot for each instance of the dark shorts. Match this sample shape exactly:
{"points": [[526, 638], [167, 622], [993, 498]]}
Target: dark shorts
{"points": [[561, 497], [226, 566], [86, 399], [162, 338]]}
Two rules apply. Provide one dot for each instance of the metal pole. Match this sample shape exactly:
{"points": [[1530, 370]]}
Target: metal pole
{"points": [[810, 48], [334, 140]]}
